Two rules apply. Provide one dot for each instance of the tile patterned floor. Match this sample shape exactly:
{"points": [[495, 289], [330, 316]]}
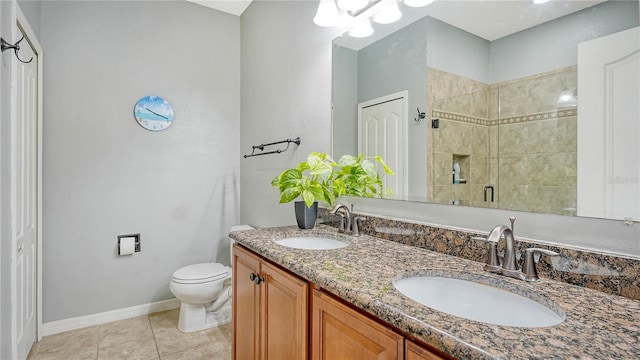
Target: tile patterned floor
{"points": [[153, 337]]}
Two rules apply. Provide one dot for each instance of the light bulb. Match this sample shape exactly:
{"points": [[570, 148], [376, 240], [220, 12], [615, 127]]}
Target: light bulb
{"points": [[361, 30], [327, 14], [388, 15], [417, 3], [352, 5], [567, 97]]}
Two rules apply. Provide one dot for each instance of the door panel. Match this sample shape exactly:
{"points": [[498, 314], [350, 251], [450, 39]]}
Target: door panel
{"points": [[246, 305], [609, 126], [26, 200], [383, 131], [340, 333], [285, 307]]}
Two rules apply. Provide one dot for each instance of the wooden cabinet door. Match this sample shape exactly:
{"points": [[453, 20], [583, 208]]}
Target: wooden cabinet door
{"points": [[416, 352], [285, 321], [246, 306], [339, 332]]}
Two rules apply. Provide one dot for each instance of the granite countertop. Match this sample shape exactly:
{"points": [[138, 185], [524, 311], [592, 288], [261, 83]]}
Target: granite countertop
{"points": [[597, 325]]}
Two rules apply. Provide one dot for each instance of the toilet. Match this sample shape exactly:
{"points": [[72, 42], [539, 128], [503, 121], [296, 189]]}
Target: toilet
{"points": [[204, 291]]}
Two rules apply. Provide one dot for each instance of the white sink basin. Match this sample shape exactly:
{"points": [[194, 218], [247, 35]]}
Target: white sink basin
{"points": [[478, 302], [311, 243]]}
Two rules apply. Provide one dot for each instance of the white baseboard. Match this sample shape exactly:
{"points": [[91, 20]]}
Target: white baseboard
{"points": [[58, 326]]}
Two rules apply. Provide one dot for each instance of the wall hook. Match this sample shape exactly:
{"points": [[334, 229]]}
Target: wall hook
{"points": [[421, 115], [16, 47]]}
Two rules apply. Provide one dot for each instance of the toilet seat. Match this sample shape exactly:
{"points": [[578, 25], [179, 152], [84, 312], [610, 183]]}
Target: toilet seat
{"points": [[201, 273]]}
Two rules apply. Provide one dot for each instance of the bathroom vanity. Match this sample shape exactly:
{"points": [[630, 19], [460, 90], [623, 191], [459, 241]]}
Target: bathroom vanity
{"points": [[342, 303], [273, 310]]}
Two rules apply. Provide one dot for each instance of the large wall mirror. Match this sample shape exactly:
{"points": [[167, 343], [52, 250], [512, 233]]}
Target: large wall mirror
{"points": [[526, 107]]}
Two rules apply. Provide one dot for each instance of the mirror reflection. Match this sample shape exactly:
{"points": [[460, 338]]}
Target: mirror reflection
{"points": [[505, 123]]}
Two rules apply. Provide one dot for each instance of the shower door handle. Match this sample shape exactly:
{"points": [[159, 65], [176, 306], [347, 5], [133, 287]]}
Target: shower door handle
{"points": [[488, 187]]}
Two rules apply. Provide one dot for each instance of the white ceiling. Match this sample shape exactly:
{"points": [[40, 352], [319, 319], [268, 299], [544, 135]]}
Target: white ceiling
{"points": [[235, 7], [488, 19], [492, 20], [504, 16]]}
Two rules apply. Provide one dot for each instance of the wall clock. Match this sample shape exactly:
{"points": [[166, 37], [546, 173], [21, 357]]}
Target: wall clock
{"points": [[153, 113]]}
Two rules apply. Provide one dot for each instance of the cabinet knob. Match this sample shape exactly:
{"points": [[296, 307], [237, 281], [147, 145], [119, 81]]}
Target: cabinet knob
{"points": [[255, 278]]}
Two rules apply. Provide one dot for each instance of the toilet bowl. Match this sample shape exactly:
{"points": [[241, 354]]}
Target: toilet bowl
{"points": [[204, 291]]}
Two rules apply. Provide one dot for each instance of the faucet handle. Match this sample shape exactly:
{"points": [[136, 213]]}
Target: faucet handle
{"points": [[493, 263], [354, 225], [530, 271]]}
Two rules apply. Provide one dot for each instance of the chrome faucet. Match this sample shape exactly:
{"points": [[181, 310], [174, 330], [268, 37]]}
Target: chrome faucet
{"points": [[346, 216], [352, 221], [509, 266]]}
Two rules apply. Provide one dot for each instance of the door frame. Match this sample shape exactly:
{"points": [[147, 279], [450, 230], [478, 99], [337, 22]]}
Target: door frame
{"points": [[17, 19], [402, 168]]}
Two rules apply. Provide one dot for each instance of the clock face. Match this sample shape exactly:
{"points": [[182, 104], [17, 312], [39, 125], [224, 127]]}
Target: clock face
{"points": [[153, 113]]}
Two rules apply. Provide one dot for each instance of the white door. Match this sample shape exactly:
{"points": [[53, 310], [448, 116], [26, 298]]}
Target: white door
{"points": [[609, 126], [26, 196], [382, 130]]}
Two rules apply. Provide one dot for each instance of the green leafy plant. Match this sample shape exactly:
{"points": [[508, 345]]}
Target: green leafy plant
{"points": [[320, 178], [311, 180], [357, 176]]}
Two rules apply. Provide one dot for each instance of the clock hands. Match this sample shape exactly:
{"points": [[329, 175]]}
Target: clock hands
{"points": [[155, 113]]}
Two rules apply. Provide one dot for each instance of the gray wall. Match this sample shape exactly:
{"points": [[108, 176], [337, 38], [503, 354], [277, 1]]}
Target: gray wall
{"points": [[278, 32], [105, 175], [457, 51], [31, 11], [345, 101], [553, 45], [286, 92]]}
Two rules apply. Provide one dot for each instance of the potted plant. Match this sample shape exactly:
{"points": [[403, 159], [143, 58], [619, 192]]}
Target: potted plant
{"points": [[357, 176], [310, 180], [320, 178]]}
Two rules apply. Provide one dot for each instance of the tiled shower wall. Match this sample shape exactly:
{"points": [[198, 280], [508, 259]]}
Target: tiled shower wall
{"points": [[512, 136]]}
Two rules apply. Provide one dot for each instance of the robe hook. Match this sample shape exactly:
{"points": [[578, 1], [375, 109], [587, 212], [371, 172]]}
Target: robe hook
{"points": [[421, 115], [16, 47]]}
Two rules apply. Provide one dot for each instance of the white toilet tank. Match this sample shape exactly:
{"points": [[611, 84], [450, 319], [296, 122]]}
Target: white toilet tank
{"points": [[231, 241]]}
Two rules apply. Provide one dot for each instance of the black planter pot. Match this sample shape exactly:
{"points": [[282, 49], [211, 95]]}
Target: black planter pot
{"points": [[306, 216]]}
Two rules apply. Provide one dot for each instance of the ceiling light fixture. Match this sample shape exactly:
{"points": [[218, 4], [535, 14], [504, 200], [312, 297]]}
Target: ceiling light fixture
{"points": [[327, 14], [538, 2], [362, 29], [417, 3], [352, 5], [355, 15], [388, 14]]}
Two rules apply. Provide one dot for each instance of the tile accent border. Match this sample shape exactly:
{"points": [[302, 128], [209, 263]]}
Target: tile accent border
{"points": [[435, 114], [548, 115], [607, 273]]}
